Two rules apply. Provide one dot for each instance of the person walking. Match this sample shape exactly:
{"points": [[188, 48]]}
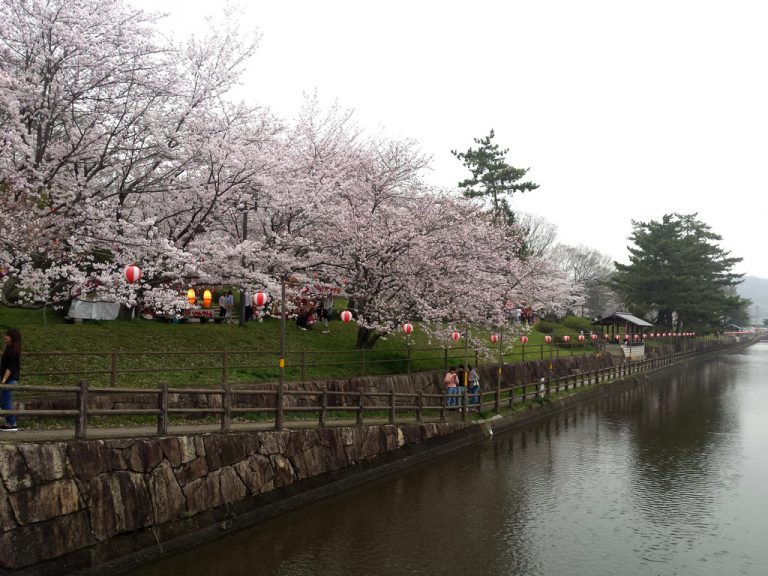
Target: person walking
{"points": [[10, 369]]}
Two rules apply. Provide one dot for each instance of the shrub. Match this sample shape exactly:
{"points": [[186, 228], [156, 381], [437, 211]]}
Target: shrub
{"points": [[577, 323], [546, 327]]}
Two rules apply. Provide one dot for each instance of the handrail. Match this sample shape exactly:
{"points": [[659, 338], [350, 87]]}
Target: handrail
{"points": [[362, 402]]}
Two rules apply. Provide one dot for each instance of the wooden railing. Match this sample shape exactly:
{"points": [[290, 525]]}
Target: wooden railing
{"points": [[391, 407], [239, 366]]}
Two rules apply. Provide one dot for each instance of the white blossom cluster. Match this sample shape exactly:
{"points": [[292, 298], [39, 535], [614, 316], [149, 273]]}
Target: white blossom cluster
{"points": [[119, 148]]}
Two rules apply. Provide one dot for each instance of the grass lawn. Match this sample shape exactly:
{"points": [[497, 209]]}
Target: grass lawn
{"points": [[146, 352]]}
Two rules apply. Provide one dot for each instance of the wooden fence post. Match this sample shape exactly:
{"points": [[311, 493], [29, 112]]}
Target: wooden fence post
{"points": [[323, 408], [391, 405], [223, 367], [443, 403], [419, 406], [464, 409], [162, 404], [497, 399], [226, 417], [82, 407], [360, 408]]}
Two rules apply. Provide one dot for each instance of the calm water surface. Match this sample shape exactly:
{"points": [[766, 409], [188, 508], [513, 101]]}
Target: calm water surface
{"points": [[670, 479]]}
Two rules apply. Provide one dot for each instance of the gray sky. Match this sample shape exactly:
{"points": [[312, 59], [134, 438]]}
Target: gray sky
{"points": [[621, 110]]}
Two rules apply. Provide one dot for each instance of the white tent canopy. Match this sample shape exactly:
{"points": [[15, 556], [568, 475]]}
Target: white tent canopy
{"points": [[87, 309]]}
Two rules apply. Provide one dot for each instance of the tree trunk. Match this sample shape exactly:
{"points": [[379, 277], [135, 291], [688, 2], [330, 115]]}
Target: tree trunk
{"points": [[366, 338]]}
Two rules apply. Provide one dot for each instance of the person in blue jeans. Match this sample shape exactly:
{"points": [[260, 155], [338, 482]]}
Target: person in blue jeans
{"points": [[10, 368], [474, 387], [451, 383]]}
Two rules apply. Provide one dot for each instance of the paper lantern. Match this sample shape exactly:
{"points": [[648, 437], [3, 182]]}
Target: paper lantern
{"points": [[345, 316], [407, 327], [547, 338], [207, 298], [594, 336], [581, 337], [494, 338], [566, 338], [191, 296], [618, 337], [133, 273], [607, 337], [260, 299], [524, 339], [455, 335], [637, 337]]}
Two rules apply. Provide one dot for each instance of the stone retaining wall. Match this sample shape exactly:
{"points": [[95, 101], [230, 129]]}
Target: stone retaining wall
{"points": [[72, 505]]}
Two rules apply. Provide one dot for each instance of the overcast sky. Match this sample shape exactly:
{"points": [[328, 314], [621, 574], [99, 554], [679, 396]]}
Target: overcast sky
{"points": [[621, 110]]}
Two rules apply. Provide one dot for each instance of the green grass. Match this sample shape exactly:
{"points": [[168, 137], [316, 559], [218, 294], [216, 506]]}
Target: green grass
{"points": [[147, 352]]}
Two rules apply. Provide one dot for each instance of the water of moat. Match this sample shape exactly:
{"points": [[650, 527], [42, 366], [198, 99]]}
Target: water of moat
{"points": [[668, 479]]}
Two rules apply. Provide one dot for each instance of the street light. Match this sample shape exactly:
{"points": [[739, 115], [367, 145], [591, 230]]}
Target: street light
{"points": [[244, 209], [281, 364]]}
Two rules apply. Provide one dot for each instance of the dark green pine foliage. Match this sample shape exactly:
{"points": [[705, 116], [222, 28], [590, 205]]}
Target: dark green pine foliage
{"points": [[492, 178], [678, 271]]}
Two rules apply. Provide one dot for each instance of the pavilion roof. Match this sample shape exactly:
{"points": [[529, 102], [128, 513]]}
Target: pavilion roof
{"points": [[622, 318]]}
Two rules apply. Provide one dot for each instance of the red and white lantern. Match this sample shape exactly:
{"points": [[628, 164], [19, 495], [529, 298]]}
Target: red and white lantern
{"points": [[455, 335], [133, 273], [524, 339], [637, 337], [594, 336], [260, 299], [407, 327], [618, 337], [548, 339], [346, 316], [581, 337], [494, 338], [566, 338]]}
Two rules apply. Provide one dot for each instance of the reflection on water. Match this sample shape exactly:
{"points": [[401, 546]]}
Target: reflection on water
{"points": [[666, 479]]}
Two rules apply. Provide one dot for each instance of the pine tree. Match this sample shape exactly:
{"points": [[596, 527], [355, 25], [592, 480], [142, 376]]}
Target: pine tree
{"points": [[678, 272], [492, 177]]}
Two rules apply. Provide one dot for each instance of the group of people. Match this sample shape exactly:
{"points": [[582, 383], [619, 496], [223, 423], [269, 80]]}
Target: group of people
{"points": [[310, 313], [226, 307], [525, 315], [457, 381], [10, 368]]}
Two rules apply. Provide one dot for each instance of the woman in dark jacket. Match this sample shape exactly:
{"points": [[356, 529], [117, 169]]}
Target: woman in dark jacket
{"points": [[10, 367]]}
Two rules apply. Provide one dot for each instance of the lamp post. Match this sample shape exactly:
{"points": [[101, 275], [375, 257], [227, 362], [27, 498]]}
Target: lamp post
{"points": [[241, 321], [281, 364]]}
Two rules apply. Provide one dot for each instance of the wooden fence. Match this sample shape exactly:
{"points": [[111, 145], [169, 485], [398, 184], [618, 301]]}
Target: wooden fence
{"points": [[391, 407], [222, 366]]}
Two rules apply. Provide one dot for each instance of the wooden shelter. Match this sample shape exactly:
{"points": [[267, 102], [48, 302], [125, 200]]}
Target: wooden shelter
{"points": [[626, 335]]}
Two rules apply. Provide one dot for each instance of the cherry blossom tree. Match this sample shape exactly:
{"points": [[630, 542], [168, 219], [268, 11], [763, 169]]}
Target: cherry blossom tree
{"points": [[120, 147]]}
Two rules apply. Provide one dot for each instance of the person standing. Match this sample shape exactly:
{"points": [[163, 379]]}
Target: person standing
{"points": [[10, 369], [474, 387], [451, 383], [461, 377], [230, 306], [222, 307]]}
